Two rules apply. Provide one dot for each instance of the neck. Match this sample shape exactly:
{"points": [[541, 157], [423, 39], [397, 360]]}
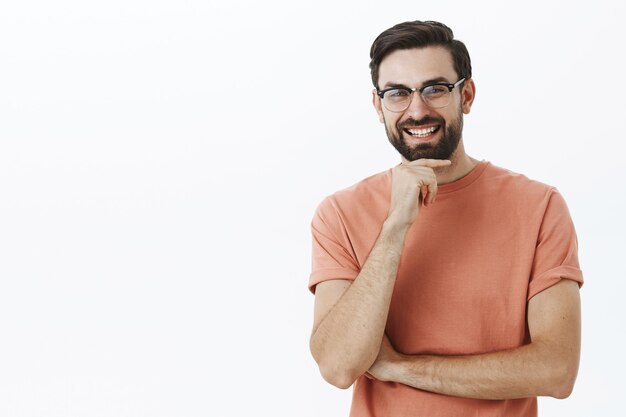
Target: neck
{"points": [[460, 167]]}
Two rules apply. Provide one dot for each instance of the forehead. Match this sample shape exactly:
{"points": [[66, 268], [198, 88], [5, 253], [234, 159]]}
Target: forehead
{"points": [[412, 67]]}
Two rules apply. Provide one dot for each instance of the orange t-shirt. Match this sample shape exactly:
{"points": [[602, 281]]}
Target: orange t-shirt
{"points": [[471, 261]]}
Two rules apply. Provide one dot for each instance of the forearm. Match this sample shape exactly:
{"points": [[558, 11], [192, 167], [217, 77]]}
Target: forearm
{"points": [[547, 366], [528, 371], [347, 340]]}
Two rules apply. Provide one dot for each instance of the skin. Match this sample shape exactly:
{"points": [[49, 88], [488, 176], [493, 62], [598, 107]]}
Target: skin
{"points": [[348, 338], [349, 319], [413, 68], [547, 366]]}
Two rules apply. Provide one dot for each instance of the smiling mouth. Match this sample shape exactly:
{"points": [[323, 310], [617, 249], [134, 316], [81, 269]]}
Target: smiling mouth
{"points": [[422, 132]]}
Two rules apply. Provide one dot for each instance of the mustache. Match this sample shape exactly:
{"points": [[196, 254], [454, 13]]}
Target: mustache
{"points": [[421, 122]]}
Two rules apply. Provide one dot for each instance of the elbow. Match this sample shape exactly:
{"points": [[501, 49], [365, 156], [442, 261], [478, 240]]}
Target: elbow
{"points": [[337, 370], [561, 393], [563, 381], [336, 373], [334, 370], [339, 367], [556, 371], [563, 389], [339, 378]]}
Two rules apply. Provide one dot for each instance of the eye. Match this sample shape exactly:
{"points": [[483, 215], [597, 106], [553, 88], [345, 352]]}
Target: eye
{"points": [[435, 90], [397, 93]]}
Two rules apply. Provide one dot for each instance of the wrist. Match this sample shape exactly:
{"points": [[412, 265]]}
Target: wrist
{"points": [[400, 367], [396, 225]]}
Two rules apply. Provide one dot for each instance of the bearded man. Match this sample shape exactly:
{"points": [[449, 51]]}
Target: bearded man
{"points": [[444, 286]]}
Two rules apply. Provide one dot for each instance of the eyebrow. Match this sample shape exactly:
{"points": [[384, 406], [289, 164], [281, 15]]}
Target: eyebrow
{"points": [[427, 82]]}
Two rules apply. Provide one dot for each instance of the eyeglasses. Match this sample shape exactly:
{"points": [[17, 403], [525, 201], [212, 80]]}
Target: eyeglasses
{"points": [[398, 99]]}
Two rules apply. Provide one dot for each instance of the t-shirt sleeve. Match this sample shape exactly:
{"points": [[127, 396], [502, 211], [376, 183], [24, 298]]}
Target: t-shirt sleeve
{"points": [[332, 253], [556, 254]]}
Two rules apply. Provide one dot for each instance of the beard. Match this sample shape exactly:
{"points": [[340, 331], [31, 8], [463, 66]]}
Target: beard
{"points": [[444, 148]]}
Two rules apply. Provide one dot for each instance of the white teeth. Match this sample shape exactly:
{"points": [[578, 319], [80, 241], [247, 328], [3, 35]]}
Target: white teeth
{"points": [[422, 132]]}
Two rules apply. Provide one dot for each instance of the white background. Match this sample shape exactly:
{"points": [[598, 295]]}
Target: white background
{"points": [[160, 162]]}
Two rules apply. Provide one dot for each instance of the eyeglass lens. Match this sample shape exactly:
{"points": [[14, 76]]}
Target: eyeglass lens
{"points": [[399, 99]]}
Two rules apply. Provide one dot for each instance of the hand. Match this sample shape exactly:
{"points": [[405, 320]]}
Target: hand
{"points": [[382, 368], [413, 183]]}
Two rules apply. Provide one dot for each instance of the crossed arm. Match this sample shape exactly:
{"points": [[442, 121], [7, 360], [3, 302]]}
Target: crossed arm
{"points": [[348, 338], [545, 367]]}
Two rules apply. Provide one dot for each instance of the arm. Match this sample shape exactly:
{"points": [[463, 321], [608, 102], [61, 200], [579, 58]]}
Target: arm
{"points": [[350, 319], [547, 366]]}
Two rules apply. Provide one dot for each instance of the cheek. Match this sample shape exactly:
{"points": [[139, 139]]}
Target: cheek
{"points": [[452, 117], [392, 125], [391, 120]]}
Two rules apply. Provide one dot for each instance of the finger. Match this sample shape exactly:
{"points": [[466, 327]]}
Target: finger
{"points": [[425, 195], [431, 163], [432, 192], [429, 187]]}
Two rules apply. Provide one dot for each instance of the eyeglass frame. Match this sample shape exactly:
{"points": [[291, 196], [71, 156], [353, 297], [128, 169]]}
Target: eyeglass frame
{"points": [[451, 87]]}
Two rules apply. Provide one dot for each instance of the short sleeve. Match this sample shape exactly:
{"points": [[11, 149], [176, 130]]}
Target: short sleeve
{"points": [[332, 254], [556, 254]]}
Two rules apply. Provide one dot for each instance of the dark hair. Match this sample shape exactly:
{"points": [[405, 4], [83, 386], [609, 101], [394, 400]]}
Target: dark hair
{"points": [[419, 34]]}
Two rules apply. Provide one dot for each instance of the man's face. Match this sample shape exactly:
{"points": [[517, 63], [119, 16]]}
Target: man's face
{"points": [[421, 131]]}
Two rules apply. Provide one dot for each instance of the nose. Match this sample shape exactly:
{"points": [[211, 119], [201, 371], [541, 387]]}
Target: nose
{"points": [[417, 108]]}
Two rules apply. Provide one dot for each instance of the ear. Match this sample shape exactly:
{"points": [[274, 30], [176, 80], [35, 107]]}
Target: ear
{"points": [[378, 106], [467, 95]]}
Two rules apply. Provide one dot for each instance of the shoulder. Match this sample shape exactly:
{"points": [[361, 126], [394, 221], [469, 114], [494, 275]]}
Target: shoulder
{"points": [[514, 184], [368, 192], [524, 197]]}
